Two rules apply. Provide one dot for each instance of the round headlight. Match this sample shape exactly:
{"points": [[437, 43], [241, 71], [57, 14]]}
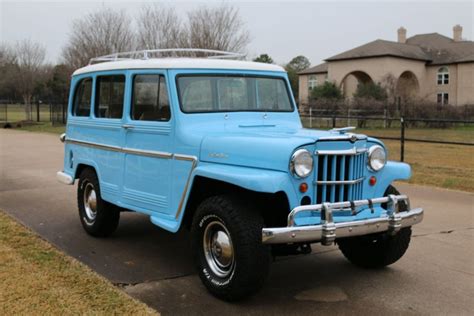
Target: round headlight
{"points": [[377, 157], [301, 163]]}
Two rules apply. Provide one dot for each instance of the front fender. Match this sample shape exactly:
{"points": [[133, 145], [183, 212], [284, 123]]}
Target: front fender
{"points": [[259, 180], [391, 172]]}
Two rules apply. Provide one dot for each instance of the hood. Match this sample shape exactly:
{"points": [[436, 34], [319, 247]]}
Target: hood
{"points": [[265, 148]]}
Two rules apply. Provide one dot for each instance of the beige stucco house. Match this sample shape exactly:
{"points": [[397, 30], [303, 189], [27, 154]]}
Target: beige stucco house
{"points": [[432, 67]]}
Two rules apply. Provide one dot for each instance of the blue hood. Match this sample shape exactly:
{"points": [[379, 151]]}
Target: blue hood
{"points": [[258, 147]]}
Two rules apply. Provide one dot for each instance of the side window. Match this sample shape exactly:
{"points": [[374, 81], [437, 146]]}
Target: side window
{"points": [[109, 96], [150, 98], [82, 98]]}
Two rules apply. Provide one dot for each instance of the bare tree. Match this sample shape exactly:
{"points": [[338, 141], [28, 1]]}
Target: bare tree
{"points": [[29, 62], [8, 71], [219, 28], [159, 27], [99, 33]]}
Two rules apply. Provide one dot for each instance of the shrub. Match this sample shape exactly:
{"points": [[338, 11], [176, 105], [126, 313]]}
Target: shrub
{"points": [[326, 91]]}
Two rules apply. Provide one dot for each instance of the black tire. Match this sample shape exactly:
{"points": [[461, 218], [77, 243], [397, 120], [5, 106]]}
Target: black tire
{"points": [[104, 221], [377, 250], [246, 272]]}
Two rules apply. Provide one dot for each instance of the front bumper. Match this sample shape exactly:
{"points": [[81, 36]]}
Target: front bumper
{"points": [[328, 231]]}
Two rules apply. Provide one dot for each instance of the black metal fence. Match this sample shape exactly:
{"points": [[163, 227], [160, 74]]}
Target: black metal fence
{"points": [[374, 125], [14, 113]]}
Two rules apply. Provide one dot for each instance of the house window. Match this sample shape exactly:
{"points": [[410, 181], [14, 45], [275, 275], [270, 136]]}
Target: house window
{"points": [[443, 98], [312, 82], [443, 75]]}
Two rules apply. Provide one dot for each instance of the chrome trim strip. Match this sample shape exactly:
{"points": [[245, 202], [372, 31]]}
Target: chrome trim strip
{"points": [[186, 187], [64, 178], [340, 181], [347, 152], [93, 145], [62, 137], [343, 137], [148, 153]]}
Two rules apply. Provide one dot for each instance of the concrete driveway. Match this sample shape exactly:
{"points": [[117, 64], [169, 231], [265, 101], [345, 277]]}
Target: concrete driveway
{"points": [[436, 276]]}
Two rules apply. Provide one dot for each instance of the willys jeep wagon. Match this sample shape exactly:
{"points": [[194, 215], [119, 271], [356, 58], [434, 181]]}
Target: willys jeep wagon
{"points": [[216, 146]]}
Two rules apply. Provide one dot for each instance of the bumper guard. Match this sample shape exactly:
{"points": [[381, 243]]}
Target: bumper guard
{"points": [[328, 231]]}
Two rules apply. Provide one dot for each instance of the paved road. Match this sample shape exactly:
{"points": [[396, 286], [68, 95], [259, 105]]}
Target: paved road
{"points": [[436, 276]]}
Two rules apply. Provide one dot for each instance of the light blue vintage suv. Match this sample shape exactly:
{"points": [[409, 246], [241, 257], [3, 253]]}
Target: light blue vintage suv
{"points": [[216, 145]]}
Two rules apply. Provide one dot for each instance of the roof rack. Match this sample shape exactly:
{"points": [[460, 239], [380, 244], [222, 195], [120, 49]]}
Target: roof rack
{"points": [[166, 53]]}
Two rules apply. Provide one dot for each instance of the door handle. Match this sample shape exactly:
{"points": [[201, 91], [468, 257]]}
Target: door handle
{"points": [[127, 126]]}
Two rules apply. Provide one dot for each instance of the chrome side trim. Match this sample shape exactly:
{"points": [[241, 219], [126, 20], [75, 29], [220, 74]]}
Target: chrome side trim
{"points": [[62, 137], [147, 153], [347, 152], [186, 187], [340, 181], [64, 178], [328, 230], [93, 145]]}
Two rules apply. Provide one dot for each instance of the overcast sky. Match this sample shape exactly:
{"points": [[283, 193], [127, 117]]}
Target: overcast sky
{"points": [[283, 29]]}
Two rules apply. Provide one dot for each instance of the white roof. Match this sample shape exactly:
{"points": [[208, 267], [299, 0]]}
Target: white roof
{"points": [[179, 63]]}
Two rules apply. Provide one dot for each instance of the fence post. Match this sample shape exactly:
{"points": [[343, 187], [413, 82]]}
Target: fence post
{"points": [[385, 118], [6, 112], [334, 121], [310, 117], [37, 111], [402, 139]]}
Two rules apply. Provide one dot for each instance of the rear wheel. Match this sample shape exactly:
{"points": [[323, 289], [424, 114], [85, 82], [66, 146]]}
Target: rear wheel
{"points": [[229, 255], [377, 250], [98, 217]]}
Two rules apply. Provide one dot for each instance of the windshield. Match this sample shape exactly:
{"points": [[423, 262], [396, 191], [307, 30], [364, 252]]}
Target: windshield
{"points": [[212, 93]]}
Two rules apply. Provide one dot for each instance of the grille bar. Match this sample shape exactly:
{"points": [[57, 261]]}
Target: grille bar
{"points": [[339, 175]]}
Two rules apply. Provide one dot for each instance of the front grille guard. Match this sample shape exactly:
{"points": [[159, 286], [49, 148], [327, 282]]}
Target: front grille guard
{"points": [[326, 231]]}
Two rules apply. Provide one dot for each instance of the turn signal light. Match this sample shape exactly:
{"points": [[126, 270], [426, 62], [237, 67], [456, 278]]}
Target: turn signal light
{"points": [[303, 187], [372, 180]]}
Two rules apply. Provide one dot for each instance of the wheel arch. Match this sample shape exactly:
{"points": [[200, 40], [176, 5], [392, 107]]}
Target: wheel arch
{"points": [[274, 206]]}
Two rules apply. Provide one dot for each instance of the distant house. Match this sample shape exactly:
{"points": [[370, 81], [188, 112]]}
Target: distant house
{"points": [[431, 66]]}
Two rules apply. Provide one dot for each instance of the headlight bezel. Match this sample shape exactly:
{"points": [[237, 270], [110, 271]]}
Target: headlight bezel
{"points": [[293, 163], [373, 150]]}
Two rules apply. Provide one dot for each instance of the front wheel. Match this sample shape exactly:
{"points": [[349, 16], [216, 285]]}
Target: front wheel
{"points": [[229, 255], [377, 250]]}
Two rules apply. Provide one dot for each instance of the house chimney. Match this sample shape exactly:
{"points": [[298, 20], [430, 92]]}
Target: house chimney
{"points": [[457, 33], [402, 35]]}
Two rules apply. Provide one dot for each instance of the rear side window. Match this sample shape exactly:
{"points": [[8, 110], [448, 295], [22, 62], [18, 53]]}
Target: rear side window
{"points": [[150, 98], [82, 98], [109, 96]]}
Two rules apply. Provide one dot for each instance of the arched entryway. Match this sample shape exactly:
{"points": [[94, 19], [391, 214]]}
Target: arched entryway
{"points": [[352, 80], [408, 86]]}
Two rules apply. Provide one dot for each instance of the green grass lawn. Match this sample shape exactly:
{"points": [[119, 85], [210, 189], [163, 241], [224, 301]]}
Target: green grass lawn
{"points": [[37, 279]]}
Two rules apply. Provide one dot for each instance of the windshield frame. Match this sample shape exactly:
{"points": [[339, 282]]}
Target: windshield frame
{"points": [[235, 75]]}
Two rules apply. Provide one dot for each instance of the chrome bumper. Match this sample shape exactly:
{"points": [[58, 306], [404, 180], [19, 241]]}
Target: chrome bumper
{"points": [[328, 231], [64, 178]]}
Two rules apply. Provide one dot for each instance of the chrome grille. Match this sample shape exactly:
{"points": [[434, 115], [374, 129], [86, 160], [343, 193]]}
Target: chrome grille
{"points": [[339, 175]]}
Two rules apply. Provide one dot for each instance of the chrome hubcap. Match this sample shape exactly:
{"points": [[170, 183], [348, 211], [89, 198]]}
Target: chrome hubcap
{"points": [[218, 249], [90, 203]]}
